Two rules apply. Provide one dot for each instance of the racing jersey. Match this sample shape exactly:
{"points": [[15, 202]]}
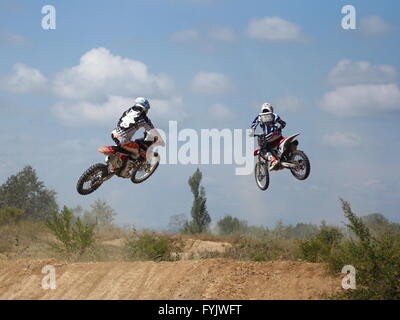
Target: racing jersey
{"points": [[131, 121], [270, 129]]}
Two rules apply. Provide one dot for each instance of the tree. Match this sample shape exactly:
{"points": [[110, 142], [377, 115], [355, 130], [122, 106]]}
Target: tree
{"points": [[24, 191], [230, 225], [200, 217], [101, 214]]}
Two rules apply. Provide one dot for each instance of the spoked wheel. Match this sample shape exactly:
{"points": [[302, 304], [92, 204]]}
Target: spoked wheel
{"points": [[92, 179], [302, 169], [145, 171], [262, 175]]}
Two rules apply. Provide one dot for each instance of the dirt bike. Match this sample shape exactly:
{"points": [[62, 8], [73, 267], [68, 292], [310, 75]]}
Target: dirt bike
{"points": [[285, 150], [136, 166]]}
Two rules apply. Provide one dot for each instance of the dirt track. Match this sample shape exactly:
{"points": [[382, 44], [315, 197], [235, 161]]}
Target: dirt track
{"points": [[192, 279]]}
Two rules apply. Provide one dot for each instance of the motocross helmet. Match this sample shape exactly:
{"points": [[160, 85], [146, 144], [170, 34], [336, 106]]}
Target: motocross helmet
{"points": [[267, 107], [267, 115], [142, 103]]}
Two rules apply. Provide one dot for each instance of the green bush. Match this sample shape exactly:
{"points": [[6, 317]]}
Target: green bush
{"points": [[319, 247], [247, 248], [376, 260], [74, 236], [149, 246], [10, 215]]}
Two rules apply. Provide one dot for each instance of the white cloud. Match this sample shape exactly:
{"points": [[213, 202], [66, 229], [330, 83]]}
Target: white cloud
{"points": [[12, 39], [210, 83], [221, 33], [100, 73], [275, 29], [374, 26], [221, 112], [362, 89], [288, 104], [186, 36], [361, 99], [342, 139], [104, 84], [108, 112], [347, 72], [91, 113], [23, 79], [205, 35]]}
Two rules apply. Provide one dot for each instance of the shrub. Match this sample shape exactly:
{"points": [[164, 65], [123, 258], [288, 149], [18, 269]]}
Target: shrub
{"points": [[74, 236], [247, 248], [376, 260], [319, 247], [149, 246], [10, 215]]}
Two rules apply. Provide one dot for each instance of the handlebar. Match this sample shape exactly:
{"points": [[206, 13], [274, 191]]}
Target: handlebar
{"points": [[263, 134]]}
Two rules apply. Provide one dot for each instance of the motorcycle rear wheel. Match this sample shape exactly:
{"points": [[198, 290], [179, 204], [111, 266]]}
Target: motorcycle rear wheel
{"points": [[93, 177], [261, 174]]}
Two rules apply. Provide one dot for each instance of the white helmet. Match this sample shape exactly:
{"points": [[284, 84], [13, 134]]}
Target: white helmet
{"points": [[143, 103], [267, 108]]}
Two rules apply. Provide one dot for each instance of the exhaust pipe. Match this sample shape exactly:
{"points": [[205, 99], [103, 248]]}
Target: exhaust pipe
{"points": [[288, 165]]}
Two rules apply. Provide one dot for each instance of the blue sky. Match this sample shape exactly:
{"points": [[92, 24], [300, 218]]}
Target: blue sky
{"points": [[339, 88]]}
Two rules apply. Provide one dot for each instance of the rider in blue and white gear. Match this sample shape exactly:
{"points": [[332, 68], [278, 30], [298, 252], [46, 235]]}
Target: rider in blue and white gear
{"points": [[269, 121]]}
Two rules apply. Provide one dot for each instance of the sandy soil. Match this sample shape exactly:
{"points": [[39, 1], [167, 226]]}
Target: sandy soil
{"points": [[191, 279], [194, 249]]}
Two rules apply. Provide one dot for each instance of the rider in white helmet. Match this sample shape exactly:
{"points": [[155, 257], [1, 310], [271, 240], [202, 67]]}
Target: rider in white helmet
{"points": [[131, 121], [268, 121]]}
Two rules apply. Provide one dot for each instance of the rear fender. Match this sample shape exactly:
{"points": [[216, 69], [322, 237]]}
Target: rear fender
{"points": [[287, 141]]}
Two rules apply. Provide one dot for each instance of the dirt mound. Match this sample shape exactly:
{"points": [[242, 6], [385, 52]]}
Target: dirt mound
{"points": [[194, 249], [193, 279], [191, 248]]}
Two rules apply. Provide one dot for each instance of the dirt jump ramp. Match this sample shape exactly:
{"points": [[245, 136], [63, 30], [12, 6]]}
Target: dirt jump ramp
{"points": [[192, 279]]}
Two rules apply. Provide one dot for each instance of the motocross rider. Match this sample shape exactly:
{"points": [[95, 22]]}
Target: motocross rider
{"points": [[131, 121], [268, 121]]}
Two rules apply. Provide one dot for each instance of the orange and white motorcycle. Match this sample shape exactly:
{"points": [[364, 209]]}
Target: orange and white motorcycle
{"points": [[137, 165], [289, 157]]}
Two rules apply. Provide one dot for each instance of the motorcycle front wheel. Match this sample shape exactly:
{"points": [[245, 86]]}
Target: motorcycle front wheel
{"points": [[302, 169], [142, 174], [92, 179], [262, 175]]}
